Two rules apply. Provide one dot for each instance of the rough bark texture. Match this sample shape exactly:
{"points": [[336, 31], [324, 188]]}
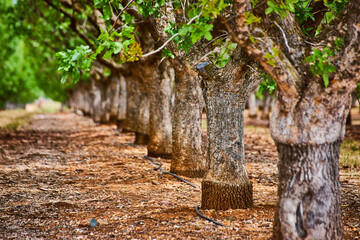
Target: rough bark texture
{"points": [[113, 92], [308, 140], [309, 192], [226, 184], [137, 109], [187, 155], [95, 98], [308, 120], [105, 89], [160, 128], [122, 102], [142, 119]]}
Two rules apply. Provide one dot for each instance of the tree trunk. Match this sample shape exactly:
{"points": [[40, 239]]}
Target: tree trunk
{"points": [[95, 99], [309, 192], [226, 184], [266, 106], [122, 102], [142, 121], [137, 110], [252, 106], [187, 154], [132, 101], [308, 139], [113, 91], [160, 128], [104, 86]]}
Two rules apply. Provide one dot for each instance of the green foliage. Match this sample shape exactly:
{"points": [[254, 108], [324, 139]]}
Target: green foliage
{"points": [[225, 53], [149, 7], [115, 42], [303, 12], [167, 53], [200, 14], [320, 64], [281, 7], [71, 62], [271, 56], [334, 8], [250, 18], [27, 67], [267, 84]]}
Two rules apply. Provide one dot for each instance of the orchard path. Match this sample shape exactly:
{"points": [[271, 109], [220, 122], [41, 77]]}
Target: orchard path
{"points": [[62, 170]]}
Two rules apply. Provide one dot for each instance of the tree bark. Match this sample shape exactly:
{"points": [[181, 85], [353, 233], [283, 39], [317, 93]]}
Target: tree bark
{"points": [[187, 155], [95, 99], [113, 92], [104, 86], [308, 138], [226, 184], [137, 110], [160, 128], [122, 102], [253, 109], [309, 192], [266, 106]]}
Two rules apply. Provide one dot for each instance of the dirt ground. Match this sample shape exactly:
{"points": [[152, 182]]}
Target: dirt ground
{"points": [[62, 170]]}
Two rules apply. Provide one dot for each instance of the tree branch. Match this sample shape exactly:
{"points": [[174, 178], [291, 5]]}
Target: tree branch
{"points": [[121, 12], [284, 72]]}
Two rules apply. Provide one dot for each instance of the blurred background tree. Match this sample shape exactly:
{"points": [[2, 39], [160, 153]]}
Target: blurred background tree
{"points": [[27, 67]]}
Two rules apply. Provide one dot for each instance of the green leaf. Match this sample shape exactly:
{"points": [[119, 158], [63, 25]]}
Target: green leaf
{"points": [[252, 39], [63, 78], [326, 79], [269, 10], [107, 12], [329, 17], [117, 47], [208, 36], [108, 54], [75, 56], [268, 56], [167, 53]]}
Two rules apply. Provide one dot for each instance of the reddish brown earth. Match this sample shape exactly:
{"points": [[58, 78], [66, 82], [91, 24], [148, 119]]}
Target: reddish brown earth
{"points": [[62, 170]]}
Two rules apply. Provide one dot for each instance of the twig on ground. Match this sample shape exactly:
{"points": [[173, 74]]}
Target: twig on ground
{"points": [[172, 174], [209, 219]]}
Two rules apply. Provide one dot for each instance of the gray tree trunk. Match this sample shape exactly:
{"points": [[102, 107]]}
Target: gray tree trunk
{"points": [[187, 155], [142, 120], [253, 109], [309, 192], [104, 87], [114, 91], [266, 106], [226, 184], [122, 102], [95, 99], [308, 140], [160, 128], [132, 101], [137, 110]]}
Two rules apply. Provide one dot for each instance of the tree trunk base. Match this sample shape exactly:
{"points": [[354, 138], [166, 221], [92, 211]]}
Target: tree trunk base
{"points": [[197, 173], [223, 196], [141, 138], [113, 119], [120, 124], [309, 192], [160, 155]]}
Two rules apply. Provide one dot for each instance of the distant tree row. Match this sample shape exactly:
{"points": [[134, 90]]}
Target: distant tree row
{"points": [[27, 66]]}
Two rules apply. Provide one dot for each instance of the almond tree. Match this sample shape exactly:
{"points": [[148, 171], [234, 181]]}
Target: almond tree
{"points": [[301, 45]]}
